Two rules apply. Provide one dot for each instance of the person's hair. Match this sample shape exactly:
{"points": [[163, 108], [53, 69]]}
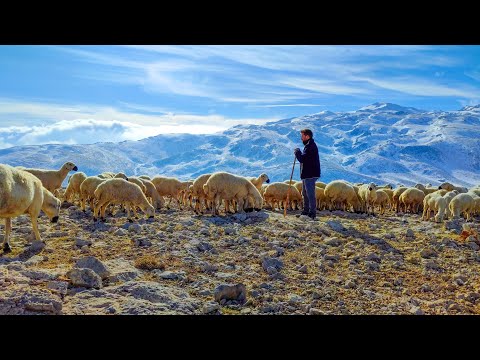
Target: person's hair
{"points": [[307, 132]]}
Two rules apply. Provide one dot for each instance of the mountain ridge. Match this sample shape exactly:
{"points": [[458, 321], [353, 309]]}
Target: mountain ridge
{"points": [[382, 142]]}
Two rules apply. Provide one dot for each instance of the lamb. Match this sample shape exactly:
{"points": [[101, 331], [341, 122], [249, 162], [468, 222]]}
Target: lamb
{"points": [[411, 199], [73, 187], [435, 202], [259, 181], [462, 203], [53, 179], [152, 193], [226, 186], [368, 196], [450, 187], [119, 191], [277, 192], [382, 200], [167, 186], [339, 193], [23, 193]]}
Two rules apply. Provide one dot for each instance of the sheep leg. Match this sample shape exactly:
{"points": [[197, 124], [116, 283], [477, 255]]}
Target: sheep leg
{"points": [[8, 228], [35, 228], [127, 206]]}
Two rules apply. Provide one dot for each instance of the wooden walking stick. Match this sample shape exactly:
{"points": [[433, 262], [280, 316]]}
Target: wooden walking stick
{"points": [[289, 187]]}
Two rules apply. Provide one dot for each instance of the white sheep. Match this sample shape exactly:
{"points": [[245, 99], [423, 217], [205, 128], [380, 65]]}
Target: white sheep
{"points": [[23, 193], [368, 196], [396, 197], [339, 194], [87, 190], [152, 193], [53, 179], [450, 187], [171, 187], [382, 200], [226, 186], [435, 202], [73, 187], [135, 180], [198, 194], [320, 185], [277, 193], [145, 177], [448, 197], [462, 203], [411, 199], [120, 191], [258, 181]]}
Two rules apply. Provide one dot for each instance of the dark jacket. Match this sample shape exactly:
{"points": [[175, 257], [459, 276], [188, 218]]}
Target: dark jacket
{"points": [[309, 161]]}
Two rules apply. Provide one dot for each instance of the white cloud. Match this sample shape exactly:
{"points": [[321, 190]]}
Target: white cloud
{"points": [[56, 123]]}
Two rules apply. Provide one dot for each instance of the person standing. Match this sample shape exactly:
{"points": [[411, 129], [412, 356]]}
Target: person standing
{"points": [[309, 172]]}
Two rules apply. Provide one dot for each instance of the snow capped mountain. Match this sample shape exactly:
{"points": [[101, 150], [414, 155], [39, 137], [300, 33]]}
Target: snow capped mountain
{"points": [[382, 142]]}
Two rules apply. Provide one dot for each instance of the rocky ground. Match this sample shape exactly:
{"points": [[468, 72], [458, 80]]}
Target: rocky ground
{"points": [[341, 263]]}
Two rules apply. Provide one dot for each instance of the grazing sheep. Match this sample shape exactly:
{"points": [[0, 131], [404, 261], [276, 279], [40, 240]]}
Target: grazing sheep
{"points": [[320, 197], [186, 194], [435, 202], [462, 203], [340, 194], [386, 186], [290, 181], [277, 193], [262, 178], [52, 179], [389, 192], [198, 194], [368, 196], [475, 191], [146, 177], [450, 187], [73, 187], [396, 197], [22, 193], [299, 186], [382, 200], [120, 191], [448, 197], [171, 187], [320, 185], [87, 190], [411, 199], [135, 180], [226, 186], [152, 193], [106, 175]]}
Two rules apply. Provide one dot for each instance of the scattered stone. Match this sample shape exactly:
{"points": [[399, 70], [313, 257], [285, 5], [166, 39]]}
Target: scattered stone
{"points": [[143, 242], [120, 232], [211, 307], [409, 233], [350, 284], [374, 266], [415, 310], [428, 253], [136, 228], [91, 262], [335, 225], [303, 269], [85, 277], [82, 242], [170, 275], [268, 262], [374, 257], [236, 292], [59, 287], [314, 311], [333, 242]]}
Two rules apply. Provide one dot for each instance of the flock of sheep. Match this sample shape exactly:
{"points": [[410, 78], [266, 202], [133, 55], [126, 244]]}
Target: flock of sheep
{"points": [[27, 191]]}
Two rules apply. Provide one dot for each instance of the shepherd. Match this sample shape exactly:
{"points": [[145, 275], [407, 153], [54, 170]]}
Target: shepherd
{"points": [[309, 172]]}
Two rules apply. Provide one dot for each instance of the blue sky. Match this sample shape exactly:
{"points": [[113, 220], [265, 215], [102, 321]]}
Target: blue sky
{"points": [[85, 94]]}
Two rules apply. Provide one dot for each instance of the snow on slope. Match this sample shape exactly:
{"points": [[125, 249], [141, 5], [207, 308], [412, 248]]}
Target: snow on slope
{"points": [[382, 142]]}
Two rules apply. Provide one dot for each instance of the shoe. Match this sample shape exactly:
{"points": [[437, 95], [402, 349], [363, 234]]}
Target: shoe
{"points": [[312, 216], [304, 213]]}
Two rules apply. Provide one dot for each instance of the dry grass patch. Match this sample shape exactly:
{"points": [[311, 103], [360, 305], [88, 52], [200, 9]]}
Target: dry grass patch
{"points": [[149, 262]]}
